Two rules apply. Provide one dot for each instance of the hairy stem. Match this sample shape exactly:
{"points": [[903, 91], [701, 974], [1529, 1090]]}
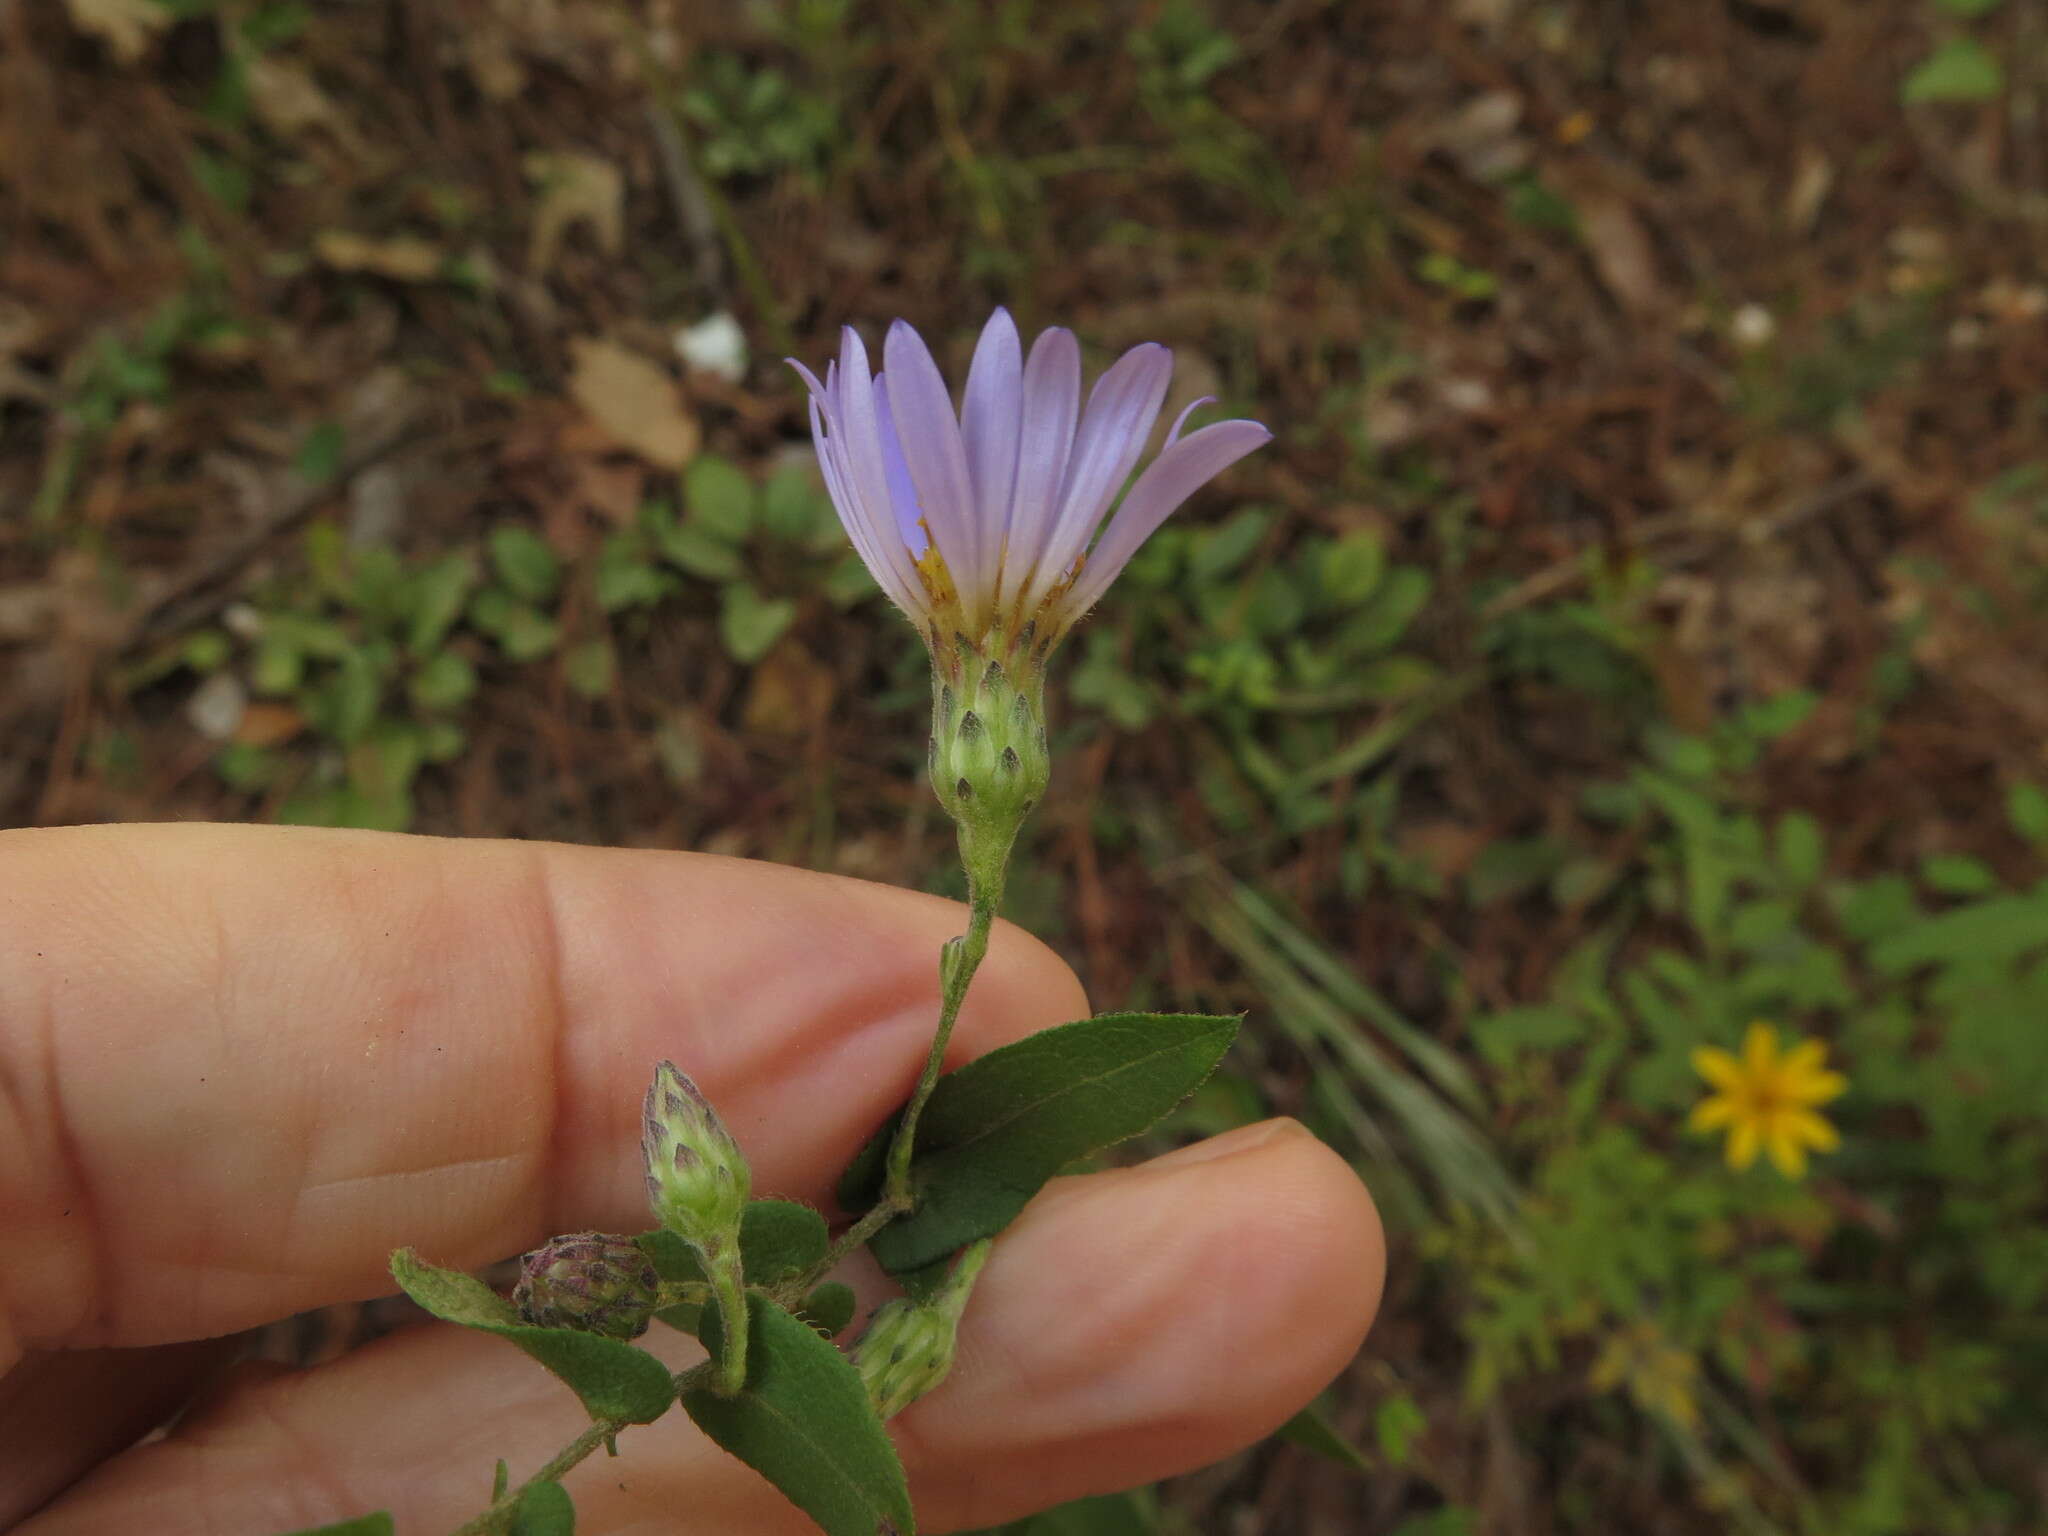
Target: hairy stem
{"points": [[498, 1518], [958, 962], [730, 1289]]}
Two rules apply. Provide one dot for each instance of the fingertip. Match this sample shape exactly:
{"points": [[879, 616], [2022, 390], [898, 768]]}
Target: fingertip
{"points": [[1138, 1323]]}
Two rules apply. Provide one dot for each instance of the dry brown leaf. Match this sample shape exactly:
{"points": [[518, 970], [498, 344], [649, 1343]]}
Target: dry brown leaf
{"points": [[1621, 251], [267, 724], [403, 258], [126, 26], [291, 103], [492, 64], [789, 694], [574, 189], [634, 400]]}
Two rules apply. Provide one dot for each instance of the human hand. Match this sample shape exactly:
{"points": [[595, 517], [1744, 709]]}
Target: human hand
{"points": [[238, 1066]]}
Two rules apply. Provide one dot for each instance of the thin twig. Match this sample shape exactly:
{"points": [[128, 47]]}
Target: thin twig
{"points": [[206, 588]]}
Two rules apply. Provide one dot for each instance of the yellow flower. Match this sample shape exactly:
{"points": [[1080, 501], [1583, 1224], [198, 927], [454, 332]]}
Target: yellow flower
{"points": [[1767, 1101]]}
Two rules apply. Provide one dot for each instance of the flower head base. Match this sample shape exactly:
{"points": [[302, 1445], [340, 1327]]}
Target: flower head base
{"points": [[697, 1177], [592, 1281], [1767, 1101]]}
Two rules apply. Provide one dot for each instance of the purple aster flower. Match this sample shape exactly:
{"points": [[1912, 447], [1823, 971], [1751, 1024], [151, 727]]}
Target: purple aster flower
{"points": [[978, 524]]}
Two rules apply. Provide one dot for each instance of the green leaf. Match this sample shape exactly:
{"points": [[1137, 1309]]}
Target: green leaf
{"points": [[675, 1261], [700, 552], [626, 577], [829, 1308], [1348, 569], [1960, 70], [718, 497], [319, 457], [278, 667], [804, 1422], [379, 1524], [524, 563], [1002, 1125], [434, 597], [523, 633], [1219, 551], [246, 767], [750, 624], [342, 705], [1802, 855], [1312, 1431], [591, 668], [849, 582], [795, 509], [1997, 930], [2026, 806], [1397, 1424], [544, 1509], [1957, 874], [614, 1380], [444, 682], [205, 650], [780, 1237], [1381, 618]]}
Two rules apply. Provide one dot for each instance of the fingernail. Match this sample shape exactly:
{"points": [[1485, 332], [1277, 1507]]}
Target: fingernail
{"points": [[1247, 1138]]}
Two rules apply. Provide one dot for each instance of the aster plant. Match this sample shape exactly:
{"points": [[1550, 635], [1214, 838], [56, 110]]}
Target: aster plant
{"points": [[995, 528]]}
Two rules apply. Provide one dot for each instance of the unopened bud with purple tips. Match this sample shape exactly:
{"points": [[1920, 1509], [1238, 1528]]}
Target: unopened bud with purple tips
{"points": [[593, 1281], [697, 1177]]}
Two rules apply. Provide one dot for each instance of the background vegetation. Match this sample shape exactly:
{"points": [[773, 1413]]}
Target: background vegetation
{"points": [[1637, 629]]}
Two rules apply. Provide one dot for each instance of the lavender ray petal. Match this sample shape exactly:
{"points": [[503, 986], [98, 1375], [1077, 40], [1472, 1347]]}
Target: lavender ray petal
{"points": [[1167, 482], [991, 415], [818, 391], [1173, 432], [832, 464], [1121, 409], [910, 516], [930, 435], [1052, 405], [867, 469]]}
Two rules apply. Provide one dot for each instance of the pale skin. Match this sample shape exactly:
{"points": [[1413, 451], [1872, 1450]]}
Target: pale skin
{"points": [[238, 1066]]}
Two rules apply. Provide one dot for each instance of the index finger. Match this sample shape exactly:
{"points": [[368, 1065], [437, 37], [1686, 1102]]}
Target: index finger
{"points": [[240, 1065]]}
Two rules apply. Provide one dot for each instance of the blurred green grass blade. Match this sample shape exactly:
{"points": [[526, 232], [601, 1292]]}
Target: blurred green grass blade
{"points": [[1348, 991], [1325, 1011]]}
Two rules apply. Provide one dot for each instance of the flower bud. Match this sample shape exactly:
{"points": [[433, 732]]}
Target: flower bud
{"points": [[697, 1177], [592, 1281], [908, 1347], [988, 757]]}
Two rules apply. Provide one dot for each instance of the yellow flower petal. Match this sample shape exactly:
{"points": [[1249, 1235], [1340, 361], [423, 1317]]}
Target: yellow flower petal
{"points": [[1760, 1048], [1786, 1150], [1743, 1143], [1804, 1058], [1817, 1088], [1711, 1114], [1812, 1129], [1717, 1067]]}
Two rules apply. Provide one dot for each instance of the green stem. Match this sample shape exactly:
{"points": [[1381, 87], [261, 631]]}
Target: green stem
{"points": [[987, 863], [958, 962], [790, 1293], [730, 1288], [498, 1517]]}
